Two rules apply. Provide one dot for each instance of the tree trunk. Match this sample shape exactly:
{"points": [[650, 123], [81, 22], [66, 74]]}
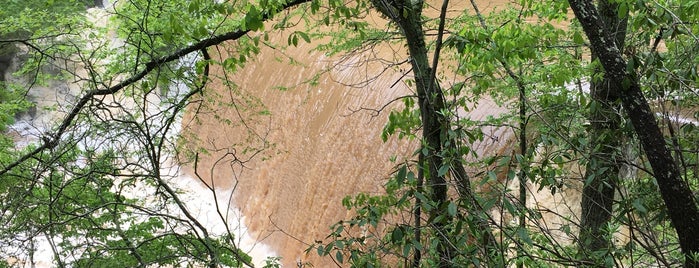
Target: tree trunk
{"points": [[430, 100], [407, 15], [599, 187], [679, 199]]}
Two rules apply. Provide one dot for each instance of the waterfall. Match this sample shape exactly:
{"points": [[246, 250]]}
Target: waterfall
{"points": [[321, 142], [212, 207]]}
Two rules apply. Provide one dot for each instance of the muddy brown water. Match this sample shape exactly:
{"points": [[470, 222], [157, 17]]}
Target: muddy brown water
{"points": [[323, 146]]}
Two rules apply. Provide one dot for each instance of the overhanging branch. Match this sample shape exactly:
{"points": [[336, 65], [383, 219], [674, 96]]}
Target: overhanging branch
{"points": [[52, 139]]}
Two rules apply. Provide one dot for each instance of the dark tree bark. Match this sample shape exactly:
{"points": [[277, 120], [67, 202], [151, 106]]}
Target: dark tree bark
{"points": [[598, 191], [408, 16], [430, 100], [679, 199]]}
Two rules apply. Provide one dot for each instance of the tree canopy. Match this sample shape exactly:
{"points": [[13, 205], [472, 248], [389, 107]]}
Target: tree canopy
{"points": [[600, 97]]}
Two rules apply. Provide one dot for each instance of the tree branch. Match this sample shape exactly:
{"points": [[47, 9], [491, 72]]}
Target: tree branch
{"points": [[52, 139], [679, 199]]}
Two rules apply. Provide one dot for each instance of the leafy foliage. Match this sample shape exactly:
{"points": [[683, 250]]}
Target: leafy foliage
{"points": [[533, 46], [96, 188]]}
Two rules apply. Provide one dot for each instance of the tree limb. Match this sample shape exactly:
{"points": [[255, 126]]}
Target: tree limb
{"points": [[678, 197], [52, 139]]}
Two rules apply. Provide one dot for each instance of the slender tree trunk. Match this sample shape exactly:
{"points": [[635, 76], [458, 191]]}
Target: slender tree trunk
{"points": [[679, 199], [407, 15], [417, 255], [602, 170], [430, 103]]}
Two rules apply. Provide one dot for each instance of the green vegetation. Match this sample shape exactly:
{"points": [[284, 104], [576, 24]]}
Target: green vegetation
{"points": [[97, 186]]}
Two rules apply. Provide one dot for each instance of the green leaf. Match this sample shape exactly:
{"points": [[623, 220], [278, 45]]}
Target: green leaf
{"points": [[315, 6], [397, 235], [253, 19], [622, 10], [406, 251], [304, 36], [338, 256], [443, 170], [639, 206], [193, 6], [451, 209], [523, 235], [400, 176]]}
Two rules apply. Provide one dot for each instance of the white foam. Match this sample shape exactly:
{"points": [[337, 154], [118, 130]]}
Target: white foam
{"points": [[211, 207], [203, 205]]}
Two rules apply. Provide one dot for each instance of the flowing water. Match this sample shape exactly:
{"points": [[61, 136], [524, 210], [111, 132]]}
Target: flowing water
{"points": [[321, 143], [212, 208], [325, 140]]}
